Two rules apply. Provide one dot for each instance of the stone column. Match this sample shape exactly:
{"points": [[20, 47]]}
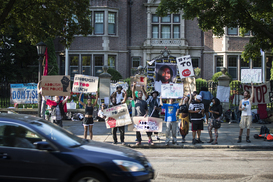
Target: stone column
{"points": [[223, 80], [104, 86]]}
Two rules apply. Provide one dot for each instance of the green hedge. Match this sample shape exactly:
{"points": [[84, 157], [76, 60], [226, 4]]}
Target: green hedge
{"points": [[114, 73], [218, 74]]}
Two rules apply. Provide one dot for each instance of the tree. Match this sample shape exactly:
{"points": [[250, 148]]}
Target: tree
{"points": [[249, 15], [41, 19], [52, 58]]}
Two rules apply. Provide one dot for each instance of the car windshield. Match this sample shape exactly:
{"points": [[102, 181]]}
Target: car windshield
{"points": [[58, 134]]}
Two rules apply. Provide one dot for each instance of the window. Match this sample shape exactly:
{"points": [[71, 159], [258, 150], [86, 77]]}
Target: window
{"points": [[167, 27], [62, 65], [219, 63], [74, 65], [257, 63], [247, 34], [99, 62], [112, 61], [244, 64], [135, 64], [232, 31], [232, 66], [86, 65], [195, 62], [111, 23], [99, 23]]}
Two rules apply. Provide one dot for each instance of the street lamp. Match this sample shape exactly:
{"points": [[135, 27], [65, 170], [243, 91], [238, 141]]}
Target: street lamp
{"points": [[41, 47]]}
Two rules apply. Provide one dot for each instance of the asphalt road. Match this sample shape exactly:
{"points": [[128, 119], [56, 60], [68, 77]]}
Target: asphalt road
{"points": [[175, 165]]}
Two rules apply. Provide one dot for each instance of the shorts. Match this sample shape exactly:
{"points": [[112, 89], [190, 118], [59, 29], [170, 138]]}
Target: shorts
{"points": [[197, 125], [206, 105], [246, 122], [88, 121]]}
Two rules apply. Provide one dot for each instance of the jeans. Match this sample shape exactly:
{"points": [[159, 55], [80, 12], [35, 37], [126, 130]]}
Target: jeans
{"points": [[121, 131], [43, 109], [171, 126], [58, 122]]}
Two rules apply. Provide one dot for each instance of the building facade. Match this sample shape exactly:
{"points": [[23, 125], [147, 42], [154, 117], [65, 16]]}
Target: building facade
{"points": [[128, 33]]}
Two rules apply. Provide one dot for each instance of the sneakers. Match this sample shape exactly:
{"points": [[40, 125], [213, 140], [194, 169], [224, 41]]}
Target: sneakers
{"points": [[115, 142], [157, 138], [199, 141], [122, 143], [211, 140], [247, 139], [167, 144], [138, 143], [194, 141], [150, 142]]}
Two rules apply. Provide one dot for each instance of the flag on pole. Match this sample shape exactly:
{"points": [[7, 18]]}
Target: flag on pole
{"points": [[46, 64]]}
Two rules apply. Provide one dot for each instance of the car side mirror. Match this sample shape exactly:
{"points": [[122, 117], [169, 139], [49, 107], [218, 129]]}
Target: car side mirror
{"points": [[43, 146]]}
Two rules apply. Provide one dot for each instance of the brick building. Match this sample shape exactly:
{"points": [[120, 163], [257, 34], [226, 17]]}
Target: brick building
{"points": [[127, 33]]}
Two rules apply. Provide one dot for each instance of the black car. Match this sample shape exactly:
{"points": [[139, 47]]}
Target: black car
{"points": [[32, 149]]}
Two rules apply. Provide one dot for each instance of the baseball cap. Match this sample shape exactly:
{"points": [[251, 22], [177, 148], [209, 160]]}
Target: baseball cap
{"points": [[199, 97]]}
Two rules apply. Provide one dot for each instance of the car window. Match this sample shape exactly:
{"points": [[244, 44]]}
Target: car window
{"points": [[13, 135]]}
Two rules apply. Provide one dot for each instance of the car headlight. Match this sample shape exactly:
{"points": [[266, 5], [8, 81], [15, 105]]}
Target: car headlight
{"points": [[129, 166]]}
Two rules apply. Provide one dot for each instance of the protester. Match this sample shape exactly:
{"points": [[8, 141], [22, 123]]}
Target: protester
{"points": [[43, 105], [121, 128], [101, 117], [141, 109], [57, 111], [88, 117], [246, 116], [118, 95], [154, 107], [197, 110], [170, 118], [216, 111], [184, 118], [206, 99]]}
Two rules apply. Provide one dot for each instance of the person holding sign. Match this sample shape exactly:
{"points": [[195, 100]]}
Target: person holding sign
{"points": [[170, 118], [88, 118], [215, 109], [121, 128], [246, 117], [118, 95], [206, 99], [141, 109]]}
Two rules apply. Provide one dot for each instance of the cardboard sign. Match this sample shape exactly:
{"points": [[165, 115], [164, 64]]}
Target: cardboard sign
{"points": [[223, 93], [113, 86], [172, 91], [184, 65], [24, 93], [261, 93], [251, 75], [149, 124], [58, 85], [117, 116], [141, 80], [189, 84], [85, 84]]}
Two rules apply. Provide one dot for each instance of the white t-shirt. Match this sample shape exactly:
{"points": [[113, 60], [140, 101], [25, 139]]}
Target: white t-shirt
{"points": [[246, 104], [100, 113], [119, 97]]}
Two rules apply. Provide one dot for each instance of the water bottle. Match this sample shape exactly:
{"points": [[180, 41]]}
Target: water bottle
{"points": [[211, 104]]}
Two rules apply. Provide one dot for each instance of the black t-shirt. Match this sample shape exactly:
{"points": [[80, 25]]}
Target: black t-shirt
{"points": [[183, 108], [152, 103], [141, 107], [217, 108]]}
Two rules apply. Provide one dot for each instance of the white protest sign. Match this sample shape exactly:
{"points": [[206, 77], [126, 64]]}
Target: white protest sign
{"points": [[251, 75], [223, 93], [184, 65], [85, 84], [148, 124], [117, 116], [172, 90]]}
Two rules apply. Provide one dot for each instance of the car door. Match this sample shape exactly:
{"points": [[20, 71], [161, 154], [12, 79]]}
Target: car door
{"points": [[20, 160]]}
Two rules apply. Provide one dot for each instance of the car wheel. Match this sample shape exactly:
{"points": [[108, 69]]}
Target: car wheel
{"points": [[89, 176]]}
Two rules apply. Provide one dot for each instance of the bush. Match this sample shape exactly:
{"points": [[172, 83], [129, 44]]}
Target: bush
{"points": [[115, 74], [199, 83], [129, 91], [218, 74]]}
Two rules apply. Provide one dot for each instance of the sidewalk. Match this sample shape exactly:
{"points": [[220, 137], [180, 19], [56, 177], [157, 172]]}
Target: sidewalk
{"points": [[227, 137]]}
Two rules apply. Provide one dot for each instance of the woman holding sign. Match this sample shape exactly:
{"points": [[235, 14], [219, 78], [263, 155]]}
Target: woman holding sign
{"points": [[88, 118]]}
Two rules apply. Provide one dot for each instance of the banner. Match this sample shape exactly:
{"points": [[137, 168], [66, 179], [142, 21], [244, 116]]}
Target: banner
{"points": [[149, 124], [23, 93], [141, 80], [189, 83], [117, 116], [251, 75], [85, 84], [172, 91], [58, 85], [184, 65], [223, 93], [113, 86], [261, 93]]}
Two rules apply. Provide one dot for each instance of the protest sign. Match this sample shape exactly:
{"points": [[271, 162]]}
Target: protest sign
{"points": [[141, 80], [117, 116], [261, 93], [184, 65], [251, 75], [58, 85], [113, 86], [24, 93], [148, 124], [223, 93], [164, 73], [85, 84], [189, 84], [172, 91]]}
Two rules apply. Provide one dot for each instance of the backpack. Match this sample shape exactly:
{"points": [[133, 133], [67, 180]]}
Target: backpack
{"points": [[264, 130], [256, 118]]}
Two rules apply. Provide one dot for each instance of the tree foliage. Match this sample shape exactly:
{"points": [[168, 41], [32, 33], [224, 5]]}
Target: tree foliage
{"points": [[43, 19], [52, 58], [218, 74], [249, 15]]}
